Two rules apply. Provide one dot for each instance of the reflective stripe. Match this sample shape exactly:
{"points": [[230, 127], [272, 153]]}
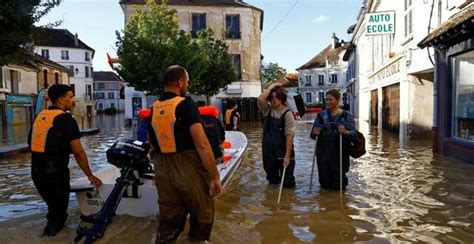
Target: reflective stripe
{"points": [[41, 126], [163, 121]]}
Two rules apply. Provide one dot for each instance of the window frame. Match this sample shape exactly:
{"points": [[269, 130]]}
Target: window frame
{"points": [[232, 34]]}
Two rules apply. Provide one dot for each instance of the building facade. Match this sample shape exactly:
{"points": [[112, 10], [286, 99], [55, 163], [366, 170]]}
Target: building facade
{"points": [[61, 46], [453, 43], [323, 72], [236, 22], [393, 78], [107, 86]]}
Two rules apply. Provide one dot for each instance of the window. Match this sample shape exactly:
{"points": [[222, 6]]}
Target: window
{"points": [[88, 57], [12, 79], [112, 105], [111, 95], [73, 88], [100, 86], [65, 54], [309, 97], [87, 72], [308, 80], [56, 78], [101, 106], [45, 78], [71, 70], [463, 103], [321, 97], [232, 26], [333, 78], [198, 23], [235, 60], [321, 80], [100, 95], [408, 17], [45, 53], [88, 92]]}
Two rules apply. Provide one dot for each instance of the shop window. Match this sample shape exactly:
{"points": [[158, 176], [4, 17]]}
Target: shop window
{"points": [[463, 88]]}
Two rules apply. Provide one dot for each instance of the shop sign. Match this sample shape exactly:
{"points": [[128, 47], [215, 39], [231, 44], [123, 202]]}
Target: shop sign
{"points": [[380, 23]]}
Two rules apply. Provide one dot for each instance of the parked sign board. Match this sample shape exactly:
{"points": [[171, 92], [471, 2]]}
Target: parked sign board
{"points": [[380, 23]]}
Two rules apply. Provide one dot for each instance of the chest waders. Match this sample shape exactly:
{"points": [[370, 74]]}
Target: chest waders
{"points": [[274, 149]]}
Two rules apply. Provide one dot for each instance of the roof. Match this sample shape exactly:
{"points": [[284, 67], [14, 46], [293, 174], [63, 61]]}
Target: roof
{"points": [[222, 3], [59, 38], [350, 49], [461, 24], [328, 53], [47, 62], [106, 76]]}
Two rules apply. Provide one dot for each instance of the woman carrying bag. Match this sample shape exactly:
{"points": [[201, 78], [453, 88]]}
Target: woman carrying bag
{"points": [[330, 126]]}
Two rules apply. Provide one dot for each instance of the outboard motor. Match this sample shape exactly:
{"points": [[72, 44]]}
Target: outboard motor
{"points": [[130, 156]]}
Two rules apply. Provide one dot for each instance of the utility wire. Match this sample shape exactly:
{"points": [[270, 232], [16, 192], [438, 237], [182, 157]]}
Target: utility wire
{"points": [[276, 26]]}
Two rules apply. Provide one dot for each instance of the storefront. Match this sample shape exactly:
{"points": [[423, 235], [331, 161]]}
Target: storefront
{"points": [[20, 109], [454, 83], [385, 95]]}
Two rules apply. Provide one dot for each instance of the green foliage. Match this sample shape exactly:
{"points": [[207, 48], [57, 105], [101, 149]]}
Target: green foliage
{"points": [[152, 41], [17, 30], [272, 72]]}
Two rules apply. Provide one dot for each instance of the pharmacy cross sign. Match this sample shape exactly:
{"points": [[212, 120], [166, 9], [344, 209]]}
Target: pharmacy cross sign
{"points": [[380, 23]]}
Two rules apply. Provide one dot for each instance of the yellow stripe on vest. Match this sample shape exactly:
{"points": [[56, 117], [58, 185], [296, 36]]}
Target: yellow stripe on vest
{"points": [[228, 113], [164, 118], [41, 127]]}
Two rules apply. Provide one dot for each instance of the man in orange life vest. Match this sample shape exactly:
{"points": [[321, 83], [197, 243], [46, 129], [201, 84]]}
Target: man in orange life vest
{"points": [[186, 175], [232, 116], [52, 138]]}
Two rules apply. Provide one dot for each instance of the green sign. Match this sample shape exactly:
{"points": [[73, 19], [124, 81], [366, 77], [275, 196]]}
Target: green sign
{"points": [[380, 23]]}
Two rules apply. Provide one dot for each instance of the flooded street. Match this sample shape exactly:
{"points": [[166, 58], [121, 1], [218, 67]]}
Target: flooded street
{"points": [[396, 193]]}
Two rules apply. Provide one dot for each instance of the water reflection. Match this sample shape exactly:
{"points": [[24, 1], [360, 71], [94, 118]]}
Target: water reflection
{"points": [[395, 194]]}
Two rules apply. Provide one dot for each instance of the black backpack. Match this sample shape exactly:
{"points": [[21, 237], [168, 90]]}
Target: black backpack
{"points": [[357, 144]]}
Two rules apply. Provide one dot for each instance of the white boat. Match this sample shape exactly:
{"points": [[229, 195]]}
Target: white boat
{"points": [[146, 204]]}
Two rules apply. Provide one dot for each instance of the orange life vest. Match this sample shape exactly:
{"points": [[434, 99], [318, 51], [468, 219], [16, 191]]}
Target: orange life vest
{"points": [[228, 115], [209, 110], [43, 123], [163, 121]]}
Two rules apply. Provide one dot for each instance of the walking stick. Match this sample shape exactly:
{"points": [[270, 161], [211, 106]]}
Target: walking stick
{"points": [[314, 160], [340, 162], [281, 185]]}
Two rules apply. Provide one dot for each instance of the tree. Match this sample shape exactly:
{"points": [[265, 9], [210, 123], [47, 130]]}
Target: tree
{"points": [[17, 31], [219, 71], [152, 41], [272, 72]]}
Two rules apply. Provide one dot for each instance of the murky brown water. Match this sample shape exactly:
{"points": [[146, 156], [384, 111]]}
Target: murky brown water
{"points": [[396, 193]]}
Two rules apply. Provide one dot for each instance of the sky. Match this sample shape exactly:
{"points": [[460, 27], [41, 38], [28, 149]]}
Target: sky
{"points": [[305, 31]]}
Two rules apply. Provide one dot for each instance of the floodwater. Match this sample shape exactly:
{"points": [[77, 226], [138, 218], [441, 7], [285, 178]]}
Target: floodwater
{"points": [[398, 192]]}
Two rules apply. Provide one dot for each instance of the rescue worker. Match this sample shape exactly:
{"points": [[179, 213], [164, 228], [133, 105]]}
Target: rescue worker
{"points": [[186, 175], [232, 116], [327, 125], [278, 133], [54, 135], [214, 129]]}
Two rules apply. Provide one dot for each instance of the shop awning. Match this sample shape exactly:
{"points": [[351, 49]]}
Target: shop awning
{"points": [[454, 30]]}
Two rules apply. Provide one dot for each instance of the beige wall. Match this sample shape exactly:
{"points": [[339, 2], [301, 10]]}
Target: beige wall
{"points": [[63, 76], [249, 46]]}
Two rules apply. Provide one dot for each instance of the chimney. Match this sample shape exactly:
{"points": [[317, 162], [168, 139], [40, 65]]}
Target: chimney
{"points": [[335, 41], [76, 40]]}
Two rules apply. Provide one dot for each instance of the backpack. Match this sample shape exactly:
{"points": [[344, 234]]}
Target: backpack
{"points": [[357, 143]]}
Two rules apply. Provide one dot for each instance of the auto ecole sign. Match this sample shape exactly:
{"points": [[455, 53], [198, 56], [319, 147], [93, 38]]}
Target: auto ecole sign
{"points": [[380, 23]]}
